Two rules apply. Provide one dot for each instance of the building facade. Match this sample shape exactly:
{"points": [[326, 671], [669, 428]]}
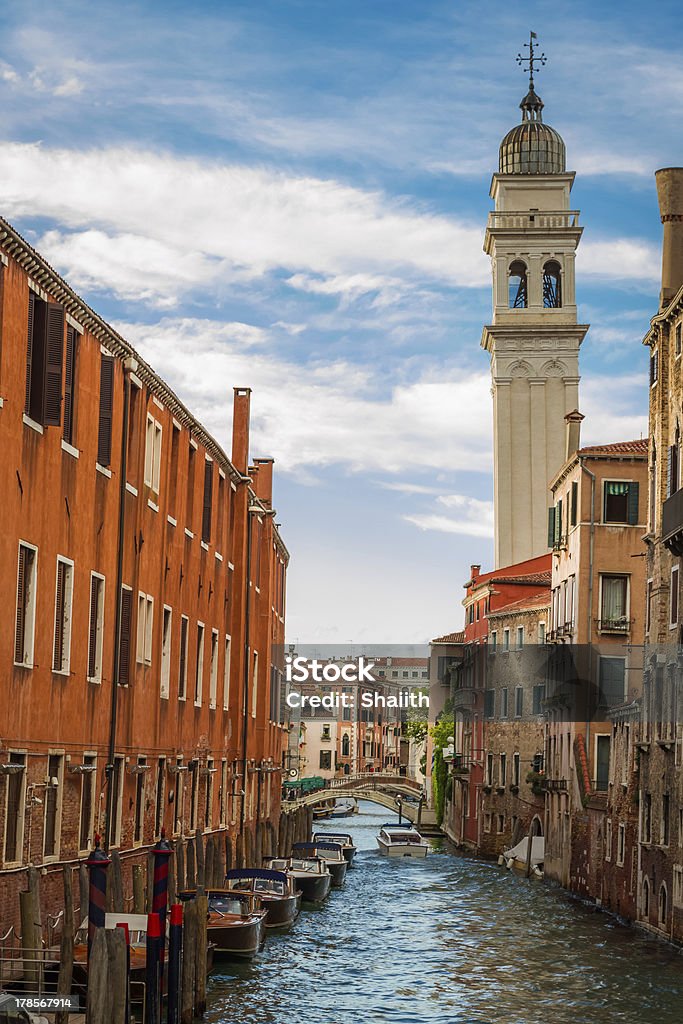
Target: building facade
{"points": [[144, 586]]}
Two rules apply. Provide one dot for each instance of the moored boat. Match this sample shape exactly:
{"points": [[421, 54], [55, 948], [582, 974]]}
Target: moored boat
{"points": [[342, 838], [396, 840], [310, 875], [343, 809], [277, 891], [236, 924], [331, 853]]}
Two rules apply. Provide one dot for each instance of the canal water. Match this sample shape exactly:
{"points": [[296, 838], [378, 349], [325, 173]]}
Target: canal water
{"points": [[449, 939]]}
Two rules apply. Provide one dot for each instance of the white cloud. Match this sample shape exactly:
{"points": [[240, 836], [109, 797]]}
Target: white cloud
{"points": [[472, 517], [620, 259]]}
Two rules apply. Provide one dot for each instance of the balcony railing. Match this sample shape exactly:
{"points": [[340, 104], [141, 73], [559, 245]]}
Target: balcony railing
{"points": [[534, 219], [622, 624], [672, 523], [554, 785]]}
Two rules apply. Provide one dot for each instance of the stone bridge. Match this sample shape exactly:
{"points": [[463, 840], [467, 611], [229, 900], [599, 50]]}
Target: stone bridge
{"points": [[375, 787]]}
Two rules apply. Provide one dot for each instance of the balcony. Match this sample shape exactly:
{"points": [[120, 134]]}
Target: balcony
{"points": [[463, 698], [538, 219], [672, 523], [554, 785], [622, 624]]}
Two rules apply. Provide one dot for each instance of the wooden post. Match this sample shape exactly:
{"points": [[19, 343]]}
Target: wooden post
{"points": [[309, 824], [98, 980], [31, 930], [191, 881], [84, 895], [115, 883], [219, 861], [150, 882], [189, 959], [66, 946], [258, 845], [228, 852], [139, 888], [282, 836], [199, 857], [172, 892], [208, 862], [117, 981], [239, 851], [527, 869], [200, 956], [180, 864]]}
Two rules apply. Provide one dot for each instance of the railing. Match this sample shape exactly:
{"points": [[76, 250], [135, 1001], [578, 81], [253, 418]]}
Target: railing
{"points": [[554, 785], [25, 965], [622, 624], [373, 778], [672, 522], [534, 219]]}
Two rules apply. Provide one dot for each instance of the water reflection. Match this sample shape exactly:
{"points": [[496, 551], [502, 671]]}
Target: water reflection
{"points": [[450, 939]]}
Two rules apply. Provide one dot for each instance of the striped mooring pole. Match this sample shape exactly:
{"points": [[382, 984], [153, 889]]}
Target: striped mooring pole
{"points": [[161, 853], [175, 947], [97, 864]]}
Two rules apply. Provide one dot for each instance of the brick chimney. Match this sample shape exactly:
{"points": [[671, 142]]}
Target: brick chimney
{"points": [[263, 484], [474, 571], [240, 429], [573, 432], [670, 195]]}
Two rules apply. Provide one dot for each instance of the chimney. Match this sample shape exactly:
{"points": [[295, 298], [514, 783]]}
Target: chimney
{"points": [[240, 429], [670, 195], [263, 485], [474, 571], [573, 433]]}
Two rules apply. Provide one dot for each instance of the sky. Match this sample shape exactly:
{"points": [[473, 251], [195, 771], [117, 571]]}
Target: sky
{"points": [[291, 195]]}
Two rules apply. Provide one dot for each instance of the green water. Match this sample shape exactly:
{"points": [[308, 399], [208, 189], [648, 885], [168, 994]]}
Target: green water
{"points": [[449, 939]]}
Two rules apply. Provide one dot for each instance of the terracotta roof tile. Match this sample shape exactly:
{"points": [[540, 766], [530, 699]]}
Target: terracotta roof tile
{"points": [[450, 638], [639, 447], [529, 578], [541, 599]]}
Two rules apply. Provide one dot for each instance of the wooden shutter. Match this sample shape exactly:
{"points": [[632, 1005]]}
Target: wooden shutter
{"points": [[58, 647], [633, 503], [20, 629], [92, 634], [669, 470], [54, 359], [183, 658], [69, 374], [124, 637], [206, 510], [551, 527], [29, 350], [106, 407], [575, 502]]}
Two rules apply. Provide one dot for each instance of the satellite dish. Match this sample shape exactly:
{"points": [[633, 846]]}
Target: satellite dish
{"points": [[293, 773]]}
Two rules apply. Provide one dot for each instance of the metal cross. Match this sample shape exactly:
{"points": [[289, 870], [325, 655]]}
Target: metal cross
{"points": [[531, 58]]}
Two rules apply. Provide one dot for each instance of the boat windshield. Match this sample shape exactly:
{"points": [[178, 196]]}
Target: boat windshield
{"points": [[227, 905], [270, 886], [305, 865], [329, 854]]}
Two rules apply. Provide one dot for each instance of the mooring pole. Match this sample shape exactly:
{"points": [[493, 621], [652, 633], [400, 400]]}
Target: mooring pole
{"points": [[97, 864]]}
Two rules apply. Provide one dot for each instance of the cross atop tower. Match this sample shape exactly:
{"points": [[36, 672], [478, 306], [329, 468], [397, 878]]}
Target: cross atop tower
{"points": [[531, 58]]}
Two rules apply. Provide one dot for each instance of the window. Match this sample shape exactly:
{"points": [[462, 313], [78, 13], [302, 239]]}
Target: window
{"points": [[104, 427], [541, 632], [654, 367], [139, 819], [621, 845], [25, 619], [194, 794], [552, 285], [189, 507], [539, 696], [145, 626], [673, 468], [223, 802], [208, 805], [519, 701], [61, 646], [166, 652], [207, 501], [489, 769], [673, 597], [199, 667], [87, 815], [520, 637], [254, 684], [620, 502], [70, 384], [612, 681], [574, 504], [124, 635], [503, 769], [160, 795], [44, 356], [173, 479], [517, 286], [494, 640], [516, 771], [608, 839], [117, 798], [504, 702], [487, 821], [664, 828], [226, 675], [614, 603], [678, 886], [663, 905], [95, 629], [153, 453], [179, 798], [677, 343], [646, 820], [489, 703], [346, 745], [326, 760], [213, 669], [53, 805], [15, 800], [325, 734], [182, 659]]}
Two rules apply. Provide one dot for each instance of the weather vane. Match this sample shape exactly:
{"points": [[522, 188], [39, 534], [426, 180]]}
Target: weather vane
{"points": [[531, 58]]}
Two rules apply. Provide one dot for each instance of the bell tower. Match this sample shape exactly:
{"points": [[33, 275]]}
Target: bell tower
{"points": [[534, 338]]}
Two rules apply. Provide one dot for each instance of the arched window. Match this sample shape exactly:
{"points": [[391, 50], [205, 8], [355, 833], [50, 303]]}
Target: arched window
{"points": [[552, 285], [347, 768], [345, 745], [517, 290], [646, 898], [663, 905]]}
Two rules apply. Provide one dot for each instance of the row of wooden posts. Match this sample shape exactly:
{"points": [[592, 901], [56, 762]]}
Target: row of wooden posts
{"points": [[197, 863]]}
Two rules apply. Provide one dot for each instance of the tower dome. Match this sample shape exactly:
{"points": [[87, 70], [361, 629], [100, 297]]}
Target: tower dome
{"points": [[532, 147]]}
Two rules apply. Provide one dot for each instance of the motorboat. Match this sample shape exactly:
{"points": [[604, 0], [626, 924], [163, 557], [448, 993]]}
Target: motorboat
{"points": [[397, 840], [342, 838], [343, 809], [310, 875], [236, 924], [331, 853], [277, 891]]}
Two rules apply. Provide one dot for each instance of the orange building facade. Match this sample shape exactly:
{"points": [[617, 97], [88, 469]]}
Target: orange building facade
{"points": [[143, 580]]}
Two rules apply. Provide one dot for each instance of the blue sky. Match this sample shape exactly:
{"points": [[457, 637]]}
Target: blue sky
{"points": [[292, 196]]}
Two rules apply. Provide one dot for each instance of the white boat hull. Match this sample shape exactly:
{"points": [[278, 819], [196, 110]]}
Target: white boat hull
{"points": [[403, 849]]}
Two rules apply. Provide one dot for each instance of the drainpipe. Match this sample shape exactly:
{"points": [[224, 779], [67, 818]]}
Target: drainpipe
{"points": [[591, 552], [130, 365]]}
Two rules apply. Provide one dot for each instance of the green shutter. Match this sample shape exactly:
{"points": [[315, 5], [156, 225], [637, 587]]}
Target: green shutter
{"points": [[633, 503], [551, 527], [575, 502]]}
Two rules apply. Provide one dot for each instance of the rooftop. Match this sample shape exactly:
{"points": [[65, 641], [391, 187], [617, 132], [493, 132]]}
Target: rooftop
{"points": [[450, 638]]}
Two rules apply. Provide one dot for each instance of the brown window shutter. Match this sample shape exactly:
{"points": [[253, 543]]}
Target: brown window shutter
{"points": [[69, 380], [58, 649], [92, 635], [54, 358], [183, 657], [19, 633], [124, 641], [106, 407], [206, 510], [29, 350]]}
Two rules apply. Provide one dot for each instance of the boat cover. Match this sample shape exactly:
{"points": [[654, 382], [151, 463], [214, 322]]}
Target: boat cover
{"points": [[316, 846], [273, 876], [519, 851]]}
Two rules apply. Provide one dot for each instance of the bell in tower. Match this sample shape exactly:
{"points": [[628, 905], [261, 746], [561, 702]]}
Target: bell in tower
{"points": [[534, 338]]}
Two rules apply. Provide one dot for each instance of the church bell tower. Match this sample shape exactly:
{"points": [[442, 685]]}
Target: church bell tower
{"points": [[534, 338]]}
